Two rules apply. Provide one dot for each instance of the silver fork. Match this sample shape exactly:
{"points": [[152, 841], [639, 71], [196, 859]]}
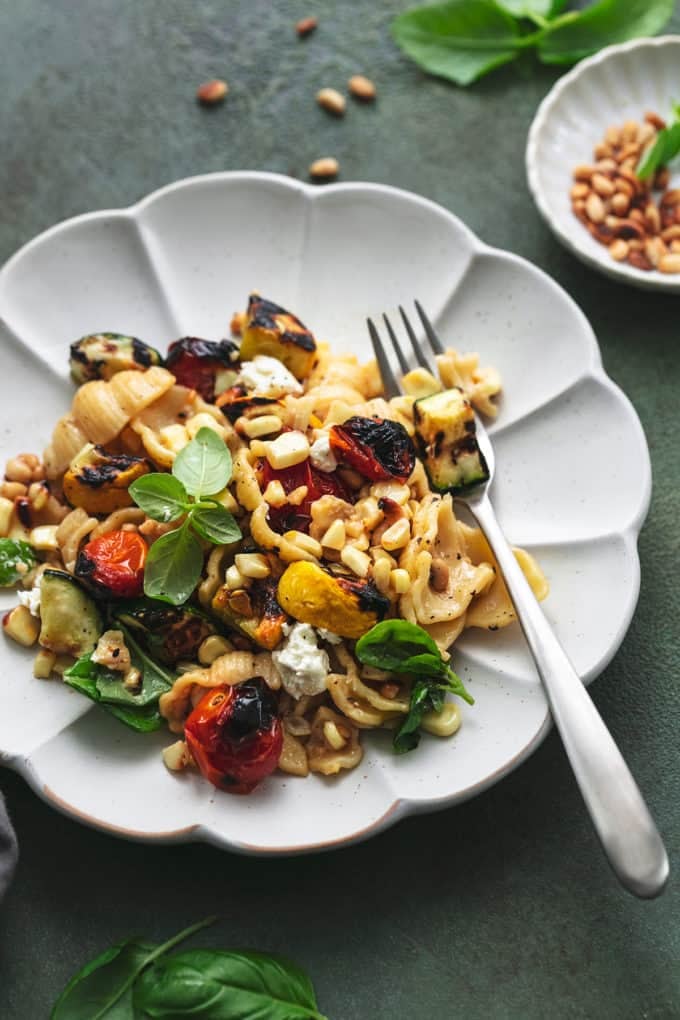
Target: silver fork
{"points": [[621, 818]]}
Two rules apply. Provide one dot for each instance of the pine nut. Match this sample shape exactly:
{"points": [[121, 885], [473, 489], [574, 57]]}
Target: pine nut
{"points": [[655, 249], [362, 88], [671, 233], [264, 426], [211, 92], [583, 172], [629, 131], [619, 250], [646, 132], [639, 260], [580, 190], [655, 120], [669, 263], [253, 565], [630, 151], [602, 185], [357, 561], [620, 203], [606, 166], [324, 168], [335, 537], [595, 208], [332, 101], [17, 470], [613, 135], [306, 26], [652, 218], [602, 150], [662, 179], [675, 246]]}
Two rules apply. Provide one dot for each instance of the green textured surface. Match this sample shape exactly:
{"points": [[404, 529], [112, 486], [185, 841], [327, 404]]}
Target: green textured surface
{"points": [[503, 908]]}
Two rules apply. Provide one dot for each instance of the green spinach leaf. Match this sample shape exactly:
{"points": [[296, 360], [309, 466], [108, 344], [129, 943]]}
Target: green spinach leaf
{"points": [[13, 554], [460, 40], [160, 495], [580, 33], [204, 465], [220, 985], [173, 566]]}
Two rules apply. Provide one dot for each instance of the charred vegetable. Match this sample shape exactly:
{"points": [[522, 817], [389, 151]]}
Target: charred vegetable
{"points": [[377, 448], [254, 611], [235, 735], [207, 366], [319, 483], [236, 402], [347, 606], [113, 565], [169, 633], [102, 355], [445, 431], [270, 329], [70, 621], [98, 481]]}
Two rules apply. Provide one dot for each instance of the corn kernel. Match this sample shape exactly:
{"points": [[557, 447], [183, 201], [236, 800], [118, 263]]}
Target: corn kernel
{"points": [[252, 565], [211, 648], [332, 736], [176, 757], [420, 383], [275, 494], [174, 437], [335, 537], [257, 449], [298, 496], [21, 626], [399, 494], [382, 571], [396, 536], [43, 664], [400, 580], [263, 426], [444, 723], [6, 510], [234, 578], [304, 542], [287, 450], [357, 561], [44, 538]]}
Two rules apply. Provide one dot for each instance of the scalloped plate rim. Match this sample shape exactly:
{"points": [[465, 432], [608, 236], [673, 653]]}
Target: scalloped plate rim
{"points": [[400, 807]]}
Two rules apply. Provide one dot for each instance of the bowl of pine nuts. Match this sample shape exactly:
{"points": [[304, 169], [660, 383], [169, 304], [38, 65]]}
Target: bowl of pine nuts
{"points": [[594, 162]]}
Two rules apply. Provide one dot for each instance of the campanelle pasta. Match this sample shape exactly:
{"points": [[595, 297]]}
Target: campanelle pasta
{"points": [[335, 524]]}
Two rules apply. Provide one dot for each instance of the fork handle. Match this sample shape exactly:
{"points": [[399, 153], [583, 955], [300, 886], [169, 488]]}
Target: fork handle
{"points": [[621, 818]]}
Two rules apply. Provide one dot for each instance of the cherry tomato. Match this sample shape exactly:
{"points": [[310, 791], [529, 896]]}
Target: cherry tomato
{"points": [[196, 363], [235, 735], [379, 449], [114, 564], [319, 483]]}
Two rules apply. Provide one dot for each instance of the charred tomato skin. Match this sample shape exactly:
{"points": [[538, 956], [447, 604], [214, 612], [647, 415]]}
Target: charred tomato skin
{"points": [[195, 363], [319, 483], [113, 565], [379, 449], [235, 735]]}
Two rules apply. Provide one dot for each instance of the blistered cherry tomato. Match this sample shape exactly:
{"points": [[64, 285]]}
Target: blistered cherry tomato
{"points": [[197, 363], [235, 735], [114, 564], [319, 483], [379, 449]]}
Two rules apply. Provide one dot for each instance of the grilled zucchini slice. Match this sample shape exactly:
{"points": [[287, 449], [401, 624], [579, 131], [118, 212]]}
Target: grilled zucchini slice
{"points": [[71, 624], [102, 355], [446, 434], [270, 329], [170, 634]]}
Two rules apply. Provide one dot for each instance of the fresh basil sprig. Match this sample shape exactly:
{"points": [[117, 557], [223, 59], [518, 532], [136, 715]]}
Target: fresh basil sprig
{"points": [[402, 647], [14, 554], [175, 560], [665, 148], [462, 40], [134, 979]]}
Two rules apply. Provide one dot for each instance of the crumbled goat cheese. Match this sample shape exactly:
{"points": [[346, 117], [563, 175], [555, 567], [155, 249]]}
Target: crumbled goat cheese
{"points": [[329, 636], [112, 652], [267, 377], [31, 598], [303, 666], [321, 454]]}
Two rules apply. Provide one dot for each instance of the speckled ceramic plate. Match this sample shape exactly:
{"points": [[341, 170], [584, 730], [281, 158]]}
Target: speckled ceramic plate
{"points": [[619, 83], [572, 485]]}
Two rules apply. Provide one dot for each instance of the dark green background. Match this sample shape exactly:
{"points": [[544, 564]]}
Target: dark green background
{"points": [[501, 908]]}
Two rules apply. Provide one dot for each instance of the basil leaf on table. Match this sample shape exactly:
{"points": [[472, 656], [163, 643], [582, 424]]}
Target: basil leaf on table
{"points": [[665, 148], [204, 465], [220, 985], [160, 496], [216, 525], [580, 33], [460, 40], [173, 566], [14, 553], [102, 990]]}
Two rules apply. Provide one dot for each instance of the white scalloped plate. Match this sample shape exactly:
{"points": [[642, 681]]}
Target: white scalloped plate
{"points": [[573, 480], [617, 84]]}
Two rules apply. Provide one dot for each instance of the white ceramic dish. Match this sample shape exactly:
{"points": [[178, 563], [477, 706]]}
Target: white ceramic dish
{"points": [[180, 262], [619, 83]]}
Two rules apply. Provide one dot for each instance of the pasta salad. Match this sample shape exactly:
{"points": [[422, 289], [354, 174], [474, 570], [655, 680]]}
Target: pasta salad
{"points": [[245, 542]]}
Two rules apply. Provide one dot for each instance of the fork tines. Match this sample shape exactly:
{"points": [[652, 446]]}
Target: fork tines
{"points": [[424, 354]]}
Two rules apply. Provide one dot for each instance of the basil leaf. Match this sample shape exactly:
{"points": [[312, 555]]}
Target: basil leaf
{"points": [[216, 525], [14, 553], [204, 465], [579, 33], [407, 736], [173, 567], [393, 643], [102, 990], [665, 148], [219, 985], [160, 496], [460, 40]]}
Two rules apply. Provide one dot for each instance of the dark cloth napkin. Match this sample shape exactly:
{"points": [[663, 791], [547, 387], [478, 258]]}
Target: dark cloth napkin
{"points": [[8, 849]]}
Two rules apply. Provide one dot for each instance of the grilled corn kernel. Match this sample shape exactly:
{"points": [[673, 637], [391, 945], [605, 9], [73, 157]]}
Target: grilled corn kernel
{"points": [[397, 535], [252, 565], [357, 561], [6, 509], [44, 537], [21, 626], [263, 426], [234, 578], [289, 449], [275, 494], [304, 542], [444, 723], [212, 648], [333, 736], [391, 490], [176, 757], [400, 580], [335, 537], [298, 496], [43, 664], [382, 572]]}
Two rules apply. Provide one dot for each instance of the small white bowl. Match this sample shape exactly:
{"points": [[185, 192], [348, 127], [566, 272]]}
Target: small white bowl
{"points": [[619, 83]]}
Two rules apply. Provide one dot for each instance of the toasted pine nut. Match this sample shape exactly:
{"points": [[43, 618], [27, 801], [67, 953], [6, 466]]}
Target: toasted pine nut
{"points": [[361, 88], [579, 190], [675, 246], [619, 250], [607, 166], [595, 208], [630, 151], [613, 135], [306, 26], [400, 580], [639, 260], [263, 426], [620, 203], [324, 168], [671, 233], [602, 185], [629, 131], [21, 626], [645, 132], [211, 92], [653, 217], [628, 229], [669, 263], [17, 470], [397, 535], [335, 537], [602, 150], [583, 172], [212, 647], [253, 565], [655, 249], [655, 120], [662, 178], [358, 562], [332, 101]]}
